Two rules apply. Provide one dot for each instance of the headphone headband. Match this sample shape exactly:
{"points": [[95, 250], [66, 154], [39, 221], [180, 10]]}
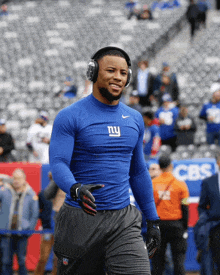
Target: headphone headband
{"points": [[109, 48], [93, 66]]}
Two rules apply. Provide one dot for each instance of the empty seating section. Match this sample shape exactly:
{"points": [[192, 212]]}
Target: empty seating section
{"points": [[42, 42]]}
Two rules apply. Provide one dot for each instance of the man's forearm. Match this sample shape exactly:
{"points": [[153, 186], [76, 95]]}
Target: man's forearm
{"points": [[142, 189]]}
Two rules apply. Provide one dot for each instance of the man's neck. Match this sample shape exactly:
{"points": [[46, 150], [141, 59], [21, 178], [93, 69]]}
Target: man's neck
{"points": [[20, 189]]}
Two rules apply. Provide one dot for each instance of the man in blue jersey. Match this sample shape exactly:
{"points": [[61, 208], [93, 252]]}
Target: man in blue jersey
{"points": [[96, 155], [167, 115], [210, 112]]}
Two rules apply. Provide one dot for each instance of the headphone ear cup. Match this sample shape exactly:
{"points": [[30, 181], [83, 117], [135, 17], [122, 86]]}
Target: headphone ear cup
{"points": [[129, 78], [92, 71]]}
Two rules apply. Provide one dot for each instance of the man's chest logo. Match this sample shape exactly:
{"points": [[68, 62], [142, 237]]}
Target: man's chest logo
{"points": [[114, 131]]}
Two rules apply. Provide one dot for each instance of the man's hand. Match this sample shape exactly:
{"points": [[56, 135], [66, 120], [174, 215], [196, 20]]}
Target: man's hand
{"points": [[153, 237], [83, 194], [1, 150]]}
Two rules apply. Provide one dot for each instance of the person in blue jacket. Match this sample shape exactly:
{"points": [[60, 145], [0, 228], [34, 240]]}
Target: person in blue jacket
{"points": [[19, 211], [96, 155], [210, 112], [207, 229], [167, 115], [69, 90], [203, 8]]}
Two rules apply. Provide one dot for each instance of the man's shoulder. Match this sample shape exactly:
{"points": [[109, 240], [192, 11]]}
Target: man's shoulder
{"points": [[78, 106], [129, 110], [34, 126], [211, 179], [154, 128], [157, 179], [175, 109], [49, 127], [78, 103], [159, 110], [31, 192], [180, 183]]}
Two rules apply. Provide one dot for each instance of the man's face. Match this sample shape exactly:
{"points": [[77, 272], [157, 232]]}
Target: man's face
{"points": [[18, 179], [142, 65], [166, 104], [166, 69], [2, 129], [112, 77], [67, 83], [216, 96], [154, 170], [147, 120]]}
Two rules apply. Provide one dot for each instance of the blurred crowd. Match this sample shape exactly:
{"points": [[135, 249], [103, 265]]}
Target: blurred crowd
{"points": [[167, 119], [167, 122]]}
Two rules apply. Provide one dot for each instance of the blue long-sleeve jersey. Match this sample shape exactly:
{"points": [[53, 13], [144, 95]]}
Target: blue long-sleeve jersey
{"points": [[211, 110], [167, 130], [95, 143]]}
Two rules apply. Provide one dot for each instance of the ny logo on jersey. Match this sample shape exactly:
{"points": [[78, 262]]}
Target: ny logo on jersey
{"points": [[114, 131]]}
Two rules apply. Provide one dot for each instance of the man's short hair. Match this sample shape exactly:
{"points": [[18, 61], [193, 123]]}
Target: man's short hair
{"points": [[149, 114], [164, 161], [112, 52]]}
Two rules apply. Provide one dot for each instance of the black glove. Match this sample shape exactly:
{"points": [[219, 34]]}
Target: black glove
{"points": [[153, 237], [83, 194]]}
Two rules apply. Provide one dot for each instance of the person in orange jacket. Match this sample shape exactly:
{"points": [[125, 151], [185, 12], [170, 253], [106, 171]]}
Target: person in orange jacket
{"points": [[171, 199]]}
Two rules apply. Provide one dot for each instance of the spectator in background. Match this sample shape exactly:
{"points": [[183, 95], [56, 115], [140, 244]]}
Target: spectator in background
{"points": [[19, 211], [47, 239], [203, 8], [130, 7], [185, 127], [134, 11], [192, 15], [4, 10], [167, 115], [145, 13], [154, 170], [143, 82], [151, 139], [134, 101], [171, 199], [209, 211], [166, 82], [38, 139], [210, 112], [6, 143], [162, 5], [69, 90]]}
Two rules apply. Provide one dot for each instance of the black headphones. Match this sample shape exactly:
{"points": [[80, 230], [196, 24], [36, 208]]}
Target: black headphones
{"points": [[93, 66]]}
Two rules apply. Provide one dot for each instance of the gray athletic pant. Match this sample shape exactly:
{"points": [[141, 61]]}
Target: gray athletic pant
{"points": [[110, 242]]}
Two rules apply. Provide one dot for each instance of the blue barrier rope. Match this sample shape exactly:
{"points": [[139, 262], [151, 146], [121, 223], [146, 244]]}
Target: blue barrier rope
{"points": [[25, 232]]}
